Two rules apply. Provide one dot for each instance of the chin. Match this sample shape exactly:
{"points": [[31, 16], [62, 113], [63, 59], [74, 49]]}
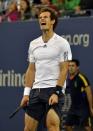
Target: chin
{"points": [[44, 29]]}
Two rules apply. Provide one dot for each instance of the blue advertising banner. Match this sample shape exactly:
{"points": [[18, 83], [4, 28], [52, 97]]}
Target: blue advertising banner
{"points": [[14, 43]]}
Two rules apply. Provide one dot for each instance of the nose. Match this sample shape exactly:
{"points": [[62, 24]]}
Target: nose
{"points": [[42, 19]]}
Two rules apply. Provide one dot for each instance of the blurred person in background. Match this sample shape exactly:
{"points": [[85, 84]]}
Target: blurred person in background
{"points": [[1, 7], [67, 7], [44, 3], [2, 10], [86, 4], [72, 5], [50, 5], [81, 108], [11, 13], [87, 7], [78, 7], [58, 3], [60, 6], [25, 10]]}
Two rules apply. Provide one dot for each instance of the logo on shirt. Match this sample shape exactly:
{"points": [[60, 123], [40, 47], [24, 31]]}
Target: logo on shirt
{"points": [[65, 55]]}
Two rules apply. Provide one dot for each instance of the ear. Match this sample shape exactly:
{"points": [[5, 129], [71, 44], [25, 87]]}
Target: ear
{"points": [[53, 21], [78, 68]]}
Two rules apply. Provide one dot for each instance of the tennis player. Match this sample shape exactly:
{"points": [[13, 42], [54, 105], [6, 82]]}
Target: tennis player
{"points": [[46, 74]]}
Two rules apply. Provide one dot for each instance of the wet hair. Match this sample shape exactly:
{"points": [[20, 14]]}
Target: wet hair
{"points": [[53, 15], [75, 61]]}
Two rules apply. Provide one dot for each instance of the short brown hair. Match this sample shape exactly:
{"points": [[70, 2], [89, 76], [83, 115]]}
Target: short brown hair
{"points": [[53, 15]]}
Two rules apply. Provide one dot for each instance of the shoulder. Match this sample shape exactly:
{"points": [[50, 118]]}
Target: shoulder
{"points": [[60, 38], [63, 44], [83, 78], [35, 42], [61, 41]]}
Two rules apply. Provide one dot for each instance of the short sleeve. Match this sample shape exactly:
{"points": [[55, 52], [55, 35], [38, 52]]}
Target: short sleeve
{"points": [[66, 53], [31, 58], [84, 80]]}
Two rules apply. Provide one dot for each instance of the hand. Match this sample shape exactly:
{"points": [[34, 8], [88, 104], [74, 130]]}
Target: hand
{"points": [[24, 101], [53, 99]]}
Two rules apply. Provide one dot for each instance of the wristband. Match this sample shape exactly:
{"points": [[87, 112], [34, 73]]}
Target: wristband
{"points": [[58, 90], [27, 91]]}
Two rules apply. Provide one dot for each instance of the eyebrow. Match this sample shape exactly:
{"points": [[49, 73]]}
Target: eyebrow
{"points": [[43, 16]]}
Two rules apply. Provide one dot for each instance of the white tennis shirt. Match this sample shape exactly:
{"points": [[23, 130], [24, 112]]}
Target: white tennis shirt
{"points": [[47, 57]]}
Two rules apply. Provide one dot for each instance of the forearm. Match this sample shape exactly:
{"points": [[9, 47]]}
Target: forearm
{"points": [[89, 97], [63, 74], [29, 78], [28, 85]]}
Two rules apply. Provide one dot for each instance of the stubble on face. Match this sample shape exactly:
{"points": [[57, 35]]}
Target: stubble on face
{"points": [[45, 22]]}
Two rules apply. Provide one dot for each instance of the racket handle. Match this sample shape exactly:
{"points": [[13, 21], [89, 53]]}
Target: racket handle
{"points": [[15, 111]]}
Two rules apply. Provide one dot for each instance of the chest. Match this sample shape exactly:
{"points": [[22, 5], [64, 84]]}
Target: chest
{"points": [[46, 51], [75, 84]]}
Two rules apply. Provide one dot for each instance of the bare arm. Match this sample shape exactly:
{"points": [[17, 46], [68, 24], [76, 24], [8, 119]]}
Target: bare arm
{"points": [[29, 79], [62, 77], [63, 73], [30, 75], [90, 98]]}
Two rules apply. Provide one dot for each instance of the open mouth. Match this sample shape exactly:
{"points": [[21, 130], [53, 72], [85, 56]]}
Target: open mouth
{"points": [[43, 23]]}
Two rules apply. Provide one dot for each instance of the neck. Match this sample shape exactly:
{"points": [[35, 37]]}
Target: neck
{"points": [[47, 35], [73, 75]]}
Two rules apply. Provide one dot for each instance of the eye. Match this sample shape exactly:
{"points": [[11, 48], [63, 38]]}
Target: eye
{"points": [[45, 16]]}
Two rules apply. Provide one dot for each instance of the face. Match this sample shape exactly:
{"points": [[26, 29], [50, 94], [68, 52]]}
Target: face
{"points": [[23, 5], [73, 68], [12, 7], [45, 21]]}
